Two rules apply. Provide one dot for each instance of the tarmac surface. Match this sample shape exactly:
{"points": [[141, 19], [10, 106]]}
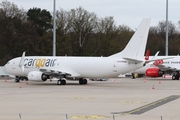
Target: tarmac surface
{"points": [[115, 99]]}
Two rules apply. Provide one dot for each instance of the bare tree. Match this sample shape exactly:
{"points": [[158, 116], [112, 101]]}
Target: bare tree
{"points": [[107, 32], [162, 28], [83, 23], [12, 10], [63, 23]]}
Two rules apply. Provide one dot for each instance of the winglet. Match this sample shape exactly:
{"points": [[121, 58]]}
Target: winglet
{"points": [[21, 63], [154, 57], [156, 54]]}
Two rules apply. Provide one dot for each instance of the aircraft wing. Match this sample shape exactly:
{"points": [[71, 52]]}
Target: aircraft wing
{"points": [[165, 58], [57, 73], [165, 67]]}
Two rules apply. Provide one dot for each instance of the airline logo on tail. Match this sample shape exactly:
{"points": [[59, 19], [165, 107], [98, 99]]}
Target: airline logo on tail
{"points": [[158, 62], [147, 55]]}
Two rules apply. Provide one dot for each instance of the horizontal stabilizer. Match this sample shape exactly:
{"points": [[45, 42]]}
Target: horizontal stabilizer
{"points": [[133, 60], [152, 60], [165, 58]]}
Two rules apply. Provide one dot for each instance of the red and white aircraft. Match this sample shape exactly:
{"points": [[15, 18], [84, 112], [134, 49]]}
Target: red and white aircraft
{"points": [[159, 67]]}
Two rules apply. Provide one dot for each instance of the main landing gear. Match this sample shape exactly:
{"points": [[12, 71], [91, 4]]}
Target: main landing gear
{"points": [[62, 81], [82, 81], [18, 78], [175, 76]]}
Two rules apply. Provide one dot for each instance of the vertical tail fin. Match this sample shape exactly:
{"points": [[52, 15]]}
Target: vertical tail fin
{"points": [[137, 44], [147, 55]]}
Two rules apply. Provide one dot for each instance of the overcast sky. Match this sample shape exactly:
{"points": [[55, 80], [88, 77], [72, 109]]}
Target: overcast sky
{"points": [[127, 12]]}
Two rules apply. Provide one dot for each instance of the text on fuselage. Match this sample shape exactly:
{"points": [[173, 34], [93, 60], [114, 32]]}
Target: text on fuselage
{"points": [[39, 62]]}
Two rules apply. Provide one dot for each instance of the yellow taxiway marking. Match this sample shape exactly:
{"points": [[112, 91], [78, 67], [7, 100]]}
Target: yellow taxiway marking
{"points": [[148, 107], [134, 102], [89, 117], [82, 98], [154, 104]]}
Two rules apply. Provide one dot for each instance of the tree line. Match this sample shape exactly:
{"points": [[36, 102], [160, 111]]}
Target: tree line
{"points": [[78, 33]]}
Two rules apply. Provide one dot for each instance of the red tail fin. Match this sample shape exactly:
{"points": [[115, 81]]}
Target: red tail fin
{"points": [[147, 55]]}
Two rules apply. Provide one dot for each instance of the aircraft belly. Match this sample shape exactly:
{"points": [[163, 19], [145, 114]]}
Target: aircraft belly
{"points": [[127, 67], [96, 72]]}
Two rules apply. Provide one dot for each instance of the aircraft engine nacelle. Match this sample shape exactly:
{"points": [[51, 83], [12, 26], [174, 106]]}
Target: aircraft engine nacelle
{"points": [[37, 76], [154, 72]]}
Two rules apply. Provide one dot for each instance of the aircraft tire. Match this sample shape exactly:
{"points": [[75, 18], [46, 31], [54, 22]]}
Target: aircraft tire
{"points": [[17, 80], [63, 82], [81, 81], [59, 82], [177, 77], [173, 77], [84, 81]]}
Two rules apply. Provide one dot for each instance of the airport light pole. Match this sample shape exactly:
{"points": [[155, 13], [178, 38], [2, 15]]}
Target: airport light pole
{"points": [[166, 28], [54, 29]]}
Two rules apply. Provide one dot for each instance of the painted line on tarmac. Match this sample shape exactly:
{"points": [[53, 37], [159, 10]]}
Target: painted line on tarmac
{"points": [[82, 98], [133, 102], [90, 117], [150, 106]]}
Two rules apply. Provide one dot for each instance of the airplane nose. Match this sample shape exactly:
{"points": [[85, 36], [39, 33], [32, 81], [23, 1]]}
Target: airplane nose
{"points": [[4, 67]]}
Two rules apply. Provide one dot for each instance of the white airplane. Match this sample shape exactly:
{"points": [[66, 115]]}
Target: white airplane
{"points": [[159, 67], [41, 68]]}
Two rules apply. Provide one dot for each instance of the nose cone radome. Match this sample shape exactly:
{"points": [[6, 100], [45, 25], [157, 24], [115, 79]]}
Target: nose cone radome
{"points": [[7, 67], [4, 68]]}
